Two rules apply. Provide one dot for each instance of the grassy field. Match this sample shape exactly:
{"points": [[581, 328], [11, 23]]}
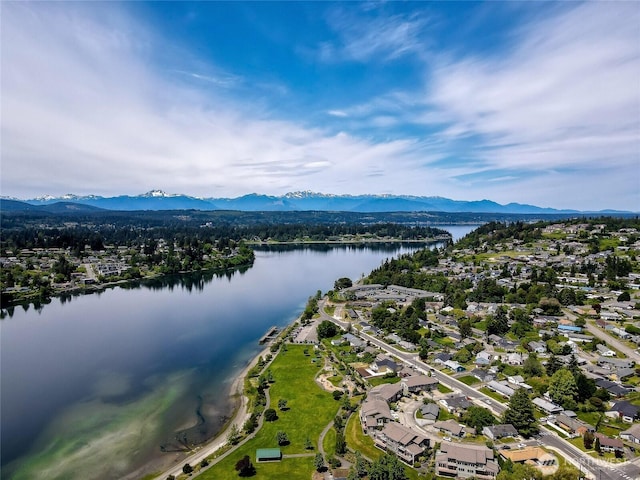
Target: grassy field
{"points": [[375, 381], [310, 410], [329, 443], [357, 440], [469, 380], [444, 389], [492, 394]]}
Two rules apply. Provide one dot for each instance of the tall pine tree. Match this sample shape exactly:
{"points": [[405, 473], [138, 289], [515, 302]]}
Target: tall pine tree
{"points": [[520, 413]]}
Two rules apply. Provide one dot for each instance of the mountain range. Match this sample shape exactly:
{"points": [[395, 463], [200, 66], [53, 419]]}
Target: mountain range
{"points": [[294, 201]]}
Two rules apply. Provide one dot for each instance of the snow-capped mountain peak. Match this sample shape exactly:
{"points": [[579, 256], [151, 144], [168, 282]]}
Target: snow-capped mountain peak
{"points": [[157, 194]]}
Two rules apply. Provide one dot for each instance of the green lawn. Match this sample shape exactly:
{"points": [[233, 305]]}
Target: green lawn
{"points": [[375, 381], [492, 394], [310, 410], [357, 440], [589, 417], [329, 443], [469, 380], [443, 388]]}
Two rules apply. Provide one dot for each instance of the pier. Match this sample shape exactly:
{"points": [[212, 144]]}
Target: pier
{"points": [[270, 335]]}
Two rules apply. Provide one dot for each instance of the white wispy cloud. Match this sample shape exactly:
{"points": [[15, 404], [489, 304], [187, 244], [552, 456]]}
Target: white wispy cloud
{"points": [[85, 111], [363, 37], [565, 96]]}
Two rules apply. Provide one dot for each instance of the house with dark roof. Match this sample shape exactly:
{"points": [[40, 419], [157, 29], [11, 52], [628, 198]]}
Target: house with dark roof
{"points": [[455, 403], [482, 375], [441, 358], [626, 411], [385, 365], [613, 388]]}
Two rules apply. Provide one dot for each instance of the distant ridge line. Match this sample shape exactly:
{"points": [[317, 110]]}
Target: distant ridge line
{"points": [[300, 201]]}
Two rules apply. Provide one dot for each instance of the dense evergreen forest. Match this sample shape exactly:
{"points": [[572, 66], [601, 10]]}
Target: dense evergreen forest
{"points": [[96, 237]]}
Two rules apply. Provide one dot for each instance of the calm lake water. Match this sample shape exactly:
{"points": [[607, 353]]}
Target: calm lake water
{"points": [[95, 386]]}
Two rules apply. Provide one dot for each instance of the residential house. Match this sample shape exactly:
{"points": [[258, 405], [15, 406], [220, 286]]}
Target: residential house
{"points": [[463, 461], [450, 427], [516, 358], [442, 358], [374, 414], [501, 387], [482, 375], [538, 347], [418, 383], [455, 403], [632, 434], [614, 363], [609, 444], [354, 341], [483, 358], [430, 411], [613, 388], [384, 365], [605, 351], [543, 461], [455, 366], [404, 442], [548, 407], [626, 411], [495, 432], [622, 373], [573, 425], [389, 392]]}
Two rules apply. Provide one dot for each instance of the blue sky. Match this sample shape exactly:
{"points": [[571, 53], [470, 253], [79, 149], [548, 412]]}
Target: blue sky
{"points": [[530, 102]]}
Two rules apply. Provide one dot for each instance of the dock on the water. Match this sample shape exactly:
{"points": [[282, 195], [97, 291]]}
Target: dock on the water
{"points": [[271, 334]]}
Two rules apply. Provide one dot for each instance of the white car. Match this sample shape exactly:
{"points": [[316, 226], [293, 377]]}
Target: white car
{"points": [[521, 445]]}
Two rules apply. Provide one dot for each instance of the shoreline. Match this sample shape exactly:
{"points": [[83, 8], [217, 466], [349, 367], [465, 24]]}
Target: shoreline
{"points": [[240, 414]]}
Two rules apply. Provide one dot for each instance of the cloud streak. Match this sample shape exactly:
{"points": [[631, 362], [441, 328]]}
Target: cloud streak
{"points": [[83, 111], [93, 102]]}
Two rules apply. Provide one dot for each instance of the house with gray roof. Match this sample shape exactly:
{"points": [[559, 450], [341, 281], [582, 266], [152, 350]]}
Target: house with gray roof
{"points": [[418, 383], [463, 461], [407, 444], [548, 407], [614, 363], [495, 432], [450, 427], [374, 414], [389, 392], [501, 388], [430, 411], [632, 434]]}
